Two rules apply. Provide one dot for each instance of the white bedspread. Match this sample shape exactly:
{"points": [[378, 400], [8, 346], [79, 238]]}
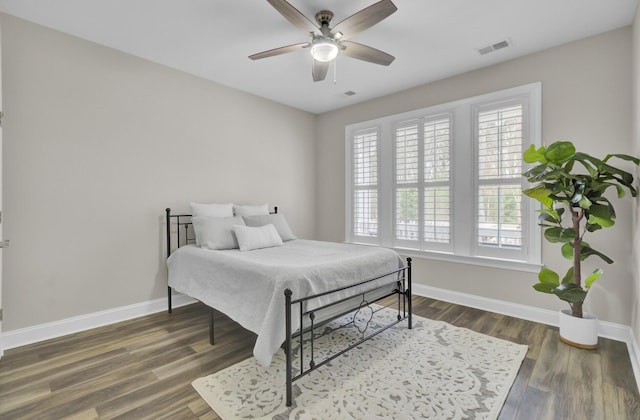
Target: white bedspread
{"points": [[249, 286]]}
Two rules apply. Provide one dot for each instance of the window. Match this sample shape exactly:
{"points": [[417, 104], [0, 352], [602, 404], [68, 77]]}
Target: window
{"points": [[499, 137], [365, 185], [445, 181], [422, 182]]}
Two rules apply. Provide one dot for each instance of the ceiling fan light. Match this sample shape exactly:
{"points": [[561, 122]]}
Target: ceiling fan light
{"points": [[324, 51]]}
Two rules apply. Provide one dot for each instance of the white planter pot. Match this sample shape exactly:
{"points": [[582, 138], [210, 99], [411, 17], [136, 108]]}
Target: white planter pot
{"points": [[579, 332]]}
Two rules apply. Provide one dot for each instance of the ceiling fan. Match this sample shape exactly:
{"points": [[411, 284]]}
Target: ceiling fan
{"points": [[327, 42]]}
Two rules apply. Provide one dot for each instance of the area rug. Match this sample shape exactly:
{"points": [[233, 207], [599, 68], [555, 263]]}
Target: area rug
{"points": [[433, 371]]}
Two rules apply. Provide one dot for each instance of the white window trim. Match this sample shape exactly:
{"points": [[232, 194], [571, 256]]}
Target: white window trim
{"points": [[463, 166], [349, 198]]}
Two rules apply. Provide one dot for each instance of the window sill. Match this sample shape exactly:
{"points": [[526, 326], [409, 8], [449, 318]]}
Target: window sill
{"points": [[478, 261]]}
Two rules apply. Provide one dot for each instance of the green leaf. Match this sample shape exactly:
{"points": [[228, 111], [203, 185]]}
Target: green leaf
{"points": [[584, 202], [604, 211], [549, 215], [587, 251], [568, 235], [568, 167], [559, 152], [595, 220], [548, 276], [623, 157], [620, 190], [625, 177], [602, 215], [541, 194], [589, 162], [558, 234], [593, 228], [570, 292], [553, 234], [532, 155], [569, 276], [536, 172], [544, 287], [567, 251], [593, 277]]}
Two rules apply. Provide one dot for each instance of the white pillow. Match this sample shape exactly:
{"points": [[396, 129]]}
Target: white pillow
{"points": [[257, 237], [250, 210], [211, 210], [276, 220], [216, 232]]}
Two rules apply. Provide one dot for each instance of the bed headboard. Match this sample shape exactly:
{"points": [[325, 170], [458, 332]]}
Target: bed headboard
{"points": [[183, 232]]}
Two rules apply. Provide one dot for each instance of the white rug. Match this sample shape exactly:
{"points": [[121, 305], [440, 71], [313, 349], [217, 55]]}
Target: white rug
{"points": [[433, 371]]}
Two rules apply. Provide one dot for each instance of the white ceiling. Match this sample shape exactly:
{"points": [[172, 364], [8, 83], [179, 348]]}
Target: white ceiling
{"points": [[431, 39]]}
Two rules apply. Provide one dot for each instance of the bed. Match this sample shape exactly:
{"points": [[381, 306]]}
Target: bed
{"points": [[286, 292]]}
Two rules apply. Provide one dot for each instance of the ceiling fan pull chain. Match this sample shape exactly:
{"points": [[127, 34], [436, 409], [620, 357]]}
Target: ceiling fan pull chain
{"points": [[335, 67]]}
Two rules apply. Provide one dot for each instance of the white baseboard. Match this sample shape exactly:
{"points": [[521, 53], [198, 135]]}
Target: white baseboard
{"points": [[606, 329], [634, 355], [29, 335]]}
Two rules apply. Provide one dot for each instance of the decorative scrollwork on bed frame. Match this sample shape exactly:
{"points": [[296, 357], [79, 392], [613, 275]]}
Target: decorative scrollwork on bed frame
{"points": [[400, 278]]}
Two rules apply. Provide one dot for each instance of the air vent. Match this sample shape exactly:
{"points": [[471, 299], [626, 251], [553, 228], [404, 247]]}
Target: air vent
{"points": [[350, 93], [494, 47]]}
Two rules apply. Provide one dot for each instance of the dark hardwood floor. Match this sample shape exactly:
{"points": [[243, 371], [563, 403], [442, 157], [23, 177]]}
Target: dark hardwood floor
{"points": [[143, 368]]}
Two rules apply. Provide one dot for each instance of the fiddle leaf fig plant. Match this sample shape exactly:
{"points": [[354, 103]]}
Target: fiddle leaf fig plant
{"points": [[566, 181]]}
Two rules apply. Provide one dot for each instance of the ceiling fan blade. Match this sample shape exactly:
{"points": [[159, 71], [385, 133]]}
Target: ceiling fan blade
{"points": [[278, 51], [364, 19], [366, 53], [319, 70], [293, 15]]}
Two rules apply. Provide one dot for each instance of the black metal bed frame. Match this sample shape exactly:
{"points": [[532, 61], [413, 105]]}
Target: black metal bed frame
{"points": [[399, 279]]}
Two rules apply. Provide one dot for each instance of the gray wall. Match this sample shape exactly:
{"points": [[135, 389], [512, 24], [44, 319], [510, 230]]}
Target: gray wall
{"points": [[98, 143], [585, 98]]}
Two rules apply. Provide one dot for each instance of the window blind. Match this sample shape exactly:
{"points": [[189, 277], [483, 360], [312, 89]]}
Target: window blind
{"points": [[437, 165], [407, 173], [499, 160], [365, 181]]}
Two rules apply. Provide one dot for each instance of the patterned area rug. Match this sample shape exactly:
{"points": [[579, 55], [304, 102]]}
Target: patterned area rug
{"points": [[433, 371]]}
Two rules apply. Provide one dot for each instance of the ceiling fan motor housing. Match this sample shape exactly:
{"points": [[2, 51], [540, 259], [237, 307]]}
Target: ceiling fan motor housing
{"points": [[324, 17]]}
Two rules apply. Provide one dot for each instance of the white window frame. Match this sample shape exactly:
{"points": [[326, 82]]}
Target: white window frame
{"points": [[483, 251], [421, 183], [375, 240], [463, 182]]}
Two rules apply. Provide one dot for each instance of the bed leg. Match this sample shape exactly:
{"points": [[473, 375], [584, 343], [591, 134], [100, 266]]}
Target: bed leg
{"points": [[211, 326], [168, 226], [409, 291], [287, 345]]}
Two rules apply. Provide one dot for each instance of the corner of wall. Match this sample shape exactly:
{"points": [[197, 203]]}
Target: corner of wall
{"points": [[635, 52]]}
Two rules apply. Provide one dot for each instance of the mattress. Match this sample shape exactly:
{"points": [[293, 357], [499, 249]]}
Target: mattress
{"points": [[249, 286]]}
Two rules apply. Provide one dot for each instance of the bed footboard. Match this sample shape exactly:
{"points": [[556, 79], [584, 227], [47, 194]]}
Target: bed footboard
{"points": [[399, 284]]}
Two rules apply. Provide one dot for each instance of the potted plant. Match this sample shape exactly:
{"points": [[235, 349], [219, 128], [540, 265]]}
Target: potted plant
{"points": [[564, 187]]}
